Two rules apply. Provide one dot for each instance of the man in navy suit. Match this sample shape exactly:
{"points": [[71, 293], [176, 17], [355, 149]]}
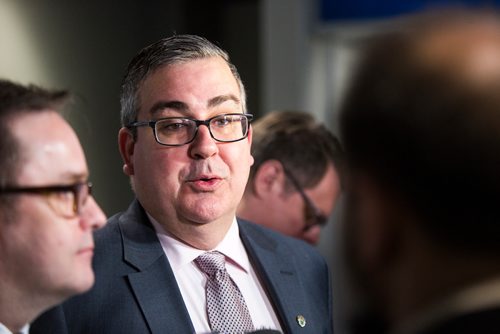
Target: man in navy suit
{"points": [[185, 144], [421, 129]]}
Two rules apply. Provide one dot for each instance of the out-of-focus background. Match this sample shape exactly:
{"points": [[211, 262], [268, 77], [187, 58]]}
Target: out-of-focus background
{"points": [[291, 54]]}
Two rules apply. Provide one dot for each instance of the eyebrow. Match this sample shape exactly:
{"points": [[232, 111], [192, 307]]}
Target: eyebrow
{"points": [[74, 176], [214, 102], [162, 105], [183, 107]]}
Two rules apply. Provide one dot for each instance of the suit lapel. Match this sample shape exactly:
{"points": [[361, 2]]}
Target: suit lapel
{"points": [[154, 284], [278, 273]]}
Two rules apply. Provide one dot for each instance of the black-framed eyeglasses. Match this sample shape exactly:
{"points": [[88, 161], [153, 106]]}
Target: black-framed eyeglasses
{"points": [[313, 214], [178, 131], [65, 200]]}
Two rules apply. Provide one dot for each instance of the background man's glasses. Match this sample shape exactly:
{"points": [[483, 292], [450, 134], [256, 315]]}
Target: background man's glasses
{"points": [[313, 214], [178, 131], [66, 200]]}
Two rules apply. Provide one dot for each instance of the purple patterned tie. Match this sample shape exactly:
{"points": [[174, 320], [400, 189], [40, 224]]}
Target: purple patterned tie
{"points": [[226, 308]]}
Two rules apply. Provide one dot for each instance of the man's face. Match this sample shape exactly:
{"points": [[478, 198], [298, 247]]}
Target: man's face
{"points": [[200, 182], [45, 253], [292, 219]]}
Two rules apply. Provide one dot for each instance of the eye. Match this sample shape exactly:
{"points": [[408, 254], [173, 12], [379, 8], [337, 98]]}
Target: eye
{"points": [[224, 121], [171, 126], [63, 202], [64, 195]]}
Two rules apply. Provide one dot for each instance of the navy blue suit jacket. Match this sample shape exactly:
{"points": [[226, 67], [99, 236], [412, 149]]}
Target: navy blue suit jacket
{"points": [[136, 291]]}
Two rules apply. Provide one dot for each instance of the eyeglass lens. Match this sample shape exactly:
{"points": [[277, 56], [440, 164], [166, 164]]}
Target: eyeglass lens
{"points": [[69, 202], [65, 200], [312, 214], [223, 128]]}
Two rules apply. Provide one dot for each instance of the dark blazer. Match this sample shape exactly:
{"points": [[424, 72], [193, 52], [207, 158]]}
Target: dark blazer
{"points": [[136, 291], [481, 321]]}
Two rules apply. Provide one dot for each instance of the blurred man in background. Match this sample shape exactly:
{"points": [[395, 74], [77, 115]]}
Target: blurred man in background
{"points": [[47, 213], [293, 184], [421, 129]]}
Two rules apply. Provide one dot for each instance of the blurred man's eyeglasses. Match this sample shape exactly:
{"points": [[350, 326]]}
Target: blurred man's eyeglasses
{"points": [[178, 131], [313, 214], [66, 200]]}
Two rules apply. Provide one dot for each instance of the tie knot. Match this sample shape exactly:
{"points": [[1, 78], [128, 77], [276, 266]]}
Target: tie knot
{"points": [[211, 262]]}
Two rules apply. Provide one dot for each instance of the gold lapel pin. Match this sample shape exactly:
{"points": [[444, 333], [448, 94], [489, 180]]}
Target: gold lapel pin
{"points": [[301, 320]]}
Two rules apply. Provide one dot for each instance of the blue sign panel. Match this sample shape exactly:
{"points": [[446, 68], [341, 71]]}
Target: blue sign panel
{"points": [[334, 10]]}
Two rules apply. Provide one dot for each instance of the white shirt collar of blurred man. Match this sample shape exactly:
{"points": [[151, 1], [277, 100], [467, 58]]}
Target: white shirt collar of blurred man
{"points": [[5, 330]]}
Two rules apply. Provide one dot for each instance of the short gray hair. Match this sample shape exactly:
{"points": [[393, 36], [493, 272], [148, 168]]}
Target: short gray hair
{"points": [[167, 51]]}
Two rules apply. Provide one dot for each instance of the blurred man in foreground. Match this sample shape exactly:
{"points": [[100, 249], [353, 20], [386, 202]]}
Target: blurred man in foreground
{"points": [[177, 260], [47, 214], [421, 129], [293, 184]]}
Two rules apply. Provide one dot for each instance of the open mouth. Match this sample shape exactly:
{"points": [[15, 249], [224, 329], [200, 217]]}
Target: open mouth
{"points": [[205, 183], [206, 179], [209, 180]]}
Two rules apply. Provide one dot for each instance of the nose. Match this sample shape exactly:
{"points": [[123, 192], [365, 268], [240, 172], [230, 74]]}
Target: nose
{"points": [[203, 146], [92, 216], [311, 235]]}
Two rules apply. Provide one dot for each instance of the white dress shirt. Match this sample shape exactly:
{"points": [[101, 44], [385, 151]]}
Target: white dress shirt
{"points": [[5, 330], [191, 280]]}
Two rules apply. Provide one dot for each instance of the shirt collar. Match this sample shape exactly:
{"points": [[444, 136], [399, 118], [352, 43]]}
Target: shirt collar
{"points": [[5, 330], [181, 254]]}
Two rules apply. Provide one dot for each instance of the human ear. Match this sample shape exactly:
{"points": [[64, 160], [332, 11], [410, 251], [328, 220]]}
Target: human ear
{"points": [[269, 179], [126, 144], [250, 138]]}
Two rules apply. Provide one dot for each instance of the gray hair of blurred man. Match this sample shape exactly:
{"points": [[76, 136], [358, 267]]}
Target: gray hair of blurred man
{"points": [[167, 51]]}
